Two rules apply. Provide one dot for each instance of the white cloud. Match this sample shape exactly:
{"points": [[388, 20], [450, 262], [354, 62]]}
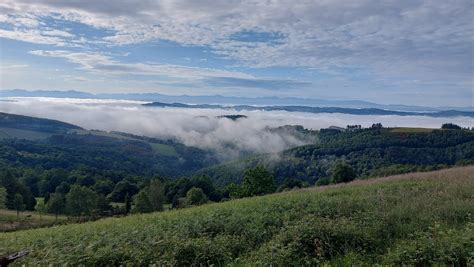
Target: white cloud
{"points": [[103, 63], [315, 32], [57, 33], [32, 36]]}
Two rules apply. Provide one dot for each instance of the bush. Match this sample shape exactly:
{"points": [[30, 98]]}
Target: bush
{"points": [[343, 173], [195, 196], [451, 126], [258, 181]]}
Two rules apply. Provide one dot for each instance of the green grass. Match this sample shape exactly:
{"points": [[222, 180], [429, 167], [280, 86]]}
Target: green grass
{"points": [[411, 130], [415, 219], [100, 133], [165, 150], [22, 134], [27, 220]]}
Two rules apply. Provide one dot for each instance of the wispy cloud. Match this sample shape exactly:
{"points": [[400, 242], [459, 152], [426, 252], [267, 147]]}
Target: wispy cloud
{"points": [[233, 82], [96, 62], [103, 63]]}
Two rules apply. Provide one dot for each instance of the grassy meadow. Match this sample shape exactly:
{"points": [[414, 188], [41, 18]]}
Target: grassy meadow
{"points": [[414, 219], [26, 220]]}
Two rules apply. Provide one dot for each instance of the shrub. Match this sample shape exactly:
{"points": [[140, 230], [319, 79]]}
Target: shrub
{"points": [[195, 196], [343, 173]]}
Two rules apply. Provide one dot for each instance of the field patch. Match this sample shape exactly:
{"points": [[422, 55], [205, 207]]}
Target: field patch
{"points": [[22, 134], [411, 130], [165, 150]]}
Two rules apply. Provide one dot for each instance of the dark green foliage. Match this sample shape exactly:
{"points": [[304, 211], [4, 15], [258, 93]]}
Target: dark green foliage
{"points": [[150, 199], [103, 205], [141, 203], [56, 204], [122, 189], [51, 179], [81, 201], [323, 181], [290, 183], [18, 203], [3, 197], [63, 188], [104, 186], [178, 189], [12, 185], [370, 152], [128, 204], [234, 191], [343, 173], [377, 126], [156, 194], [451, 126], [195, 196], [258, 181]]}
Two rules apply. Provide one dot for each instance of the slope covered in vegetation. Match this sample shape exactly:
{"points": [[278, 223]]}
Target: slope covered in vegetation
{"points": [[418, 218], [370, 152]]}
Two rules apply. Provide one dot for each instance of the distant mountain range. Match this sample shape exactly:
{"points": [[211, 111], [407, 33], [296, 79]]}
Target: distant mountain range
{"points": [[306, 109], [228, 100]]}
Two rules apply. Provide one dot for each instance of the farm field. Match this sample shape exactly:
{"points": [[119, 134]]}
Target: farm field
{"points": [[416, 218]]}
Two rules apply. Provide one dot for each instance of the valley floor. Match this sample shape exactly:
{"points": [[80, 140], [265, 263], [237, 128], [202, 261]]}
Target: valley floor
{"points": [[417, 218]]}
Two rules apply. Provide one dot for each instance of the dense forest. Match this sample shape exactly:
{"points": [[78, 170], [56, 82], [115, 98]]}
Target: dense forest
{"points": [[370, 152]]}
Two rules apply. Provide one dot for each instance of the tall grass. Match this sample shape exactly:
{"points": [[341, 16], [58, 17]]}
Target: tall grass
{"points": [[421, 218]]}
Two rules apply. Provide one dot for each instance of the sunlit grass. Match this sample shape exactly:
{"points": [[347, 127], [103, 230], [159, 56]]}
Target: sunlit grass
{"points": [[420, 218]]}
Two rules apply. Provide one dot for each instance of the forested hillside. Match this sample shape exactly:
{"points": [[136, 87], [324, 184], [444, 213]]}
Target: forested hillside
{"points": [[370, 152], [39, 157], [31, 123]]}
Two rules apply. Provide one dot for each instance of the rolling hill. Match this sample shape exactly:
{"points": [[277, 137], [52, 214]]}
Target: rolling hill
{"points": [[42, 143], [414, 219], [371, 152], [31, 128]]}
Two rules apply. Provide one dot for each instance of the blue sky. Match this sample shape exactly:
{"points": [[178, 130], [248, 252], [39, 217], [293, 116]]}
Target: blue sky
{"points": [[391, 52]]}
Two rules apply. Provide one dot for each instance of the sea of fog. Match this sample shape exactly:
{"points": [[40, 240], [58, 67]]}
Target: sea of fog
{"points": [[200, 127]]}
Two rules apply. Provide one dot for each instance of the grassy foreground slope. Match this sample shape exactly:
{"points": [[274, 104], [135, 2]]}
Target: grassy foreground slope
{"points": [[413, 218]]}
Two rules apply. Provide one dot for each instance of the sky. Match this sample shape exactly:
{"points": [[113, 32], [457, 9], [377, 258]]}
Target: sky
{"points": [[391, 52]]}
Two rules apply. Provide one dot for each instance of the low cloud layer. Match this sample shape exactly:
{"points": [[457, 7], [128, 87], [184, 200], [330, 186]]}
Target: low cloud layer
{"points": [[201, 127]]}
